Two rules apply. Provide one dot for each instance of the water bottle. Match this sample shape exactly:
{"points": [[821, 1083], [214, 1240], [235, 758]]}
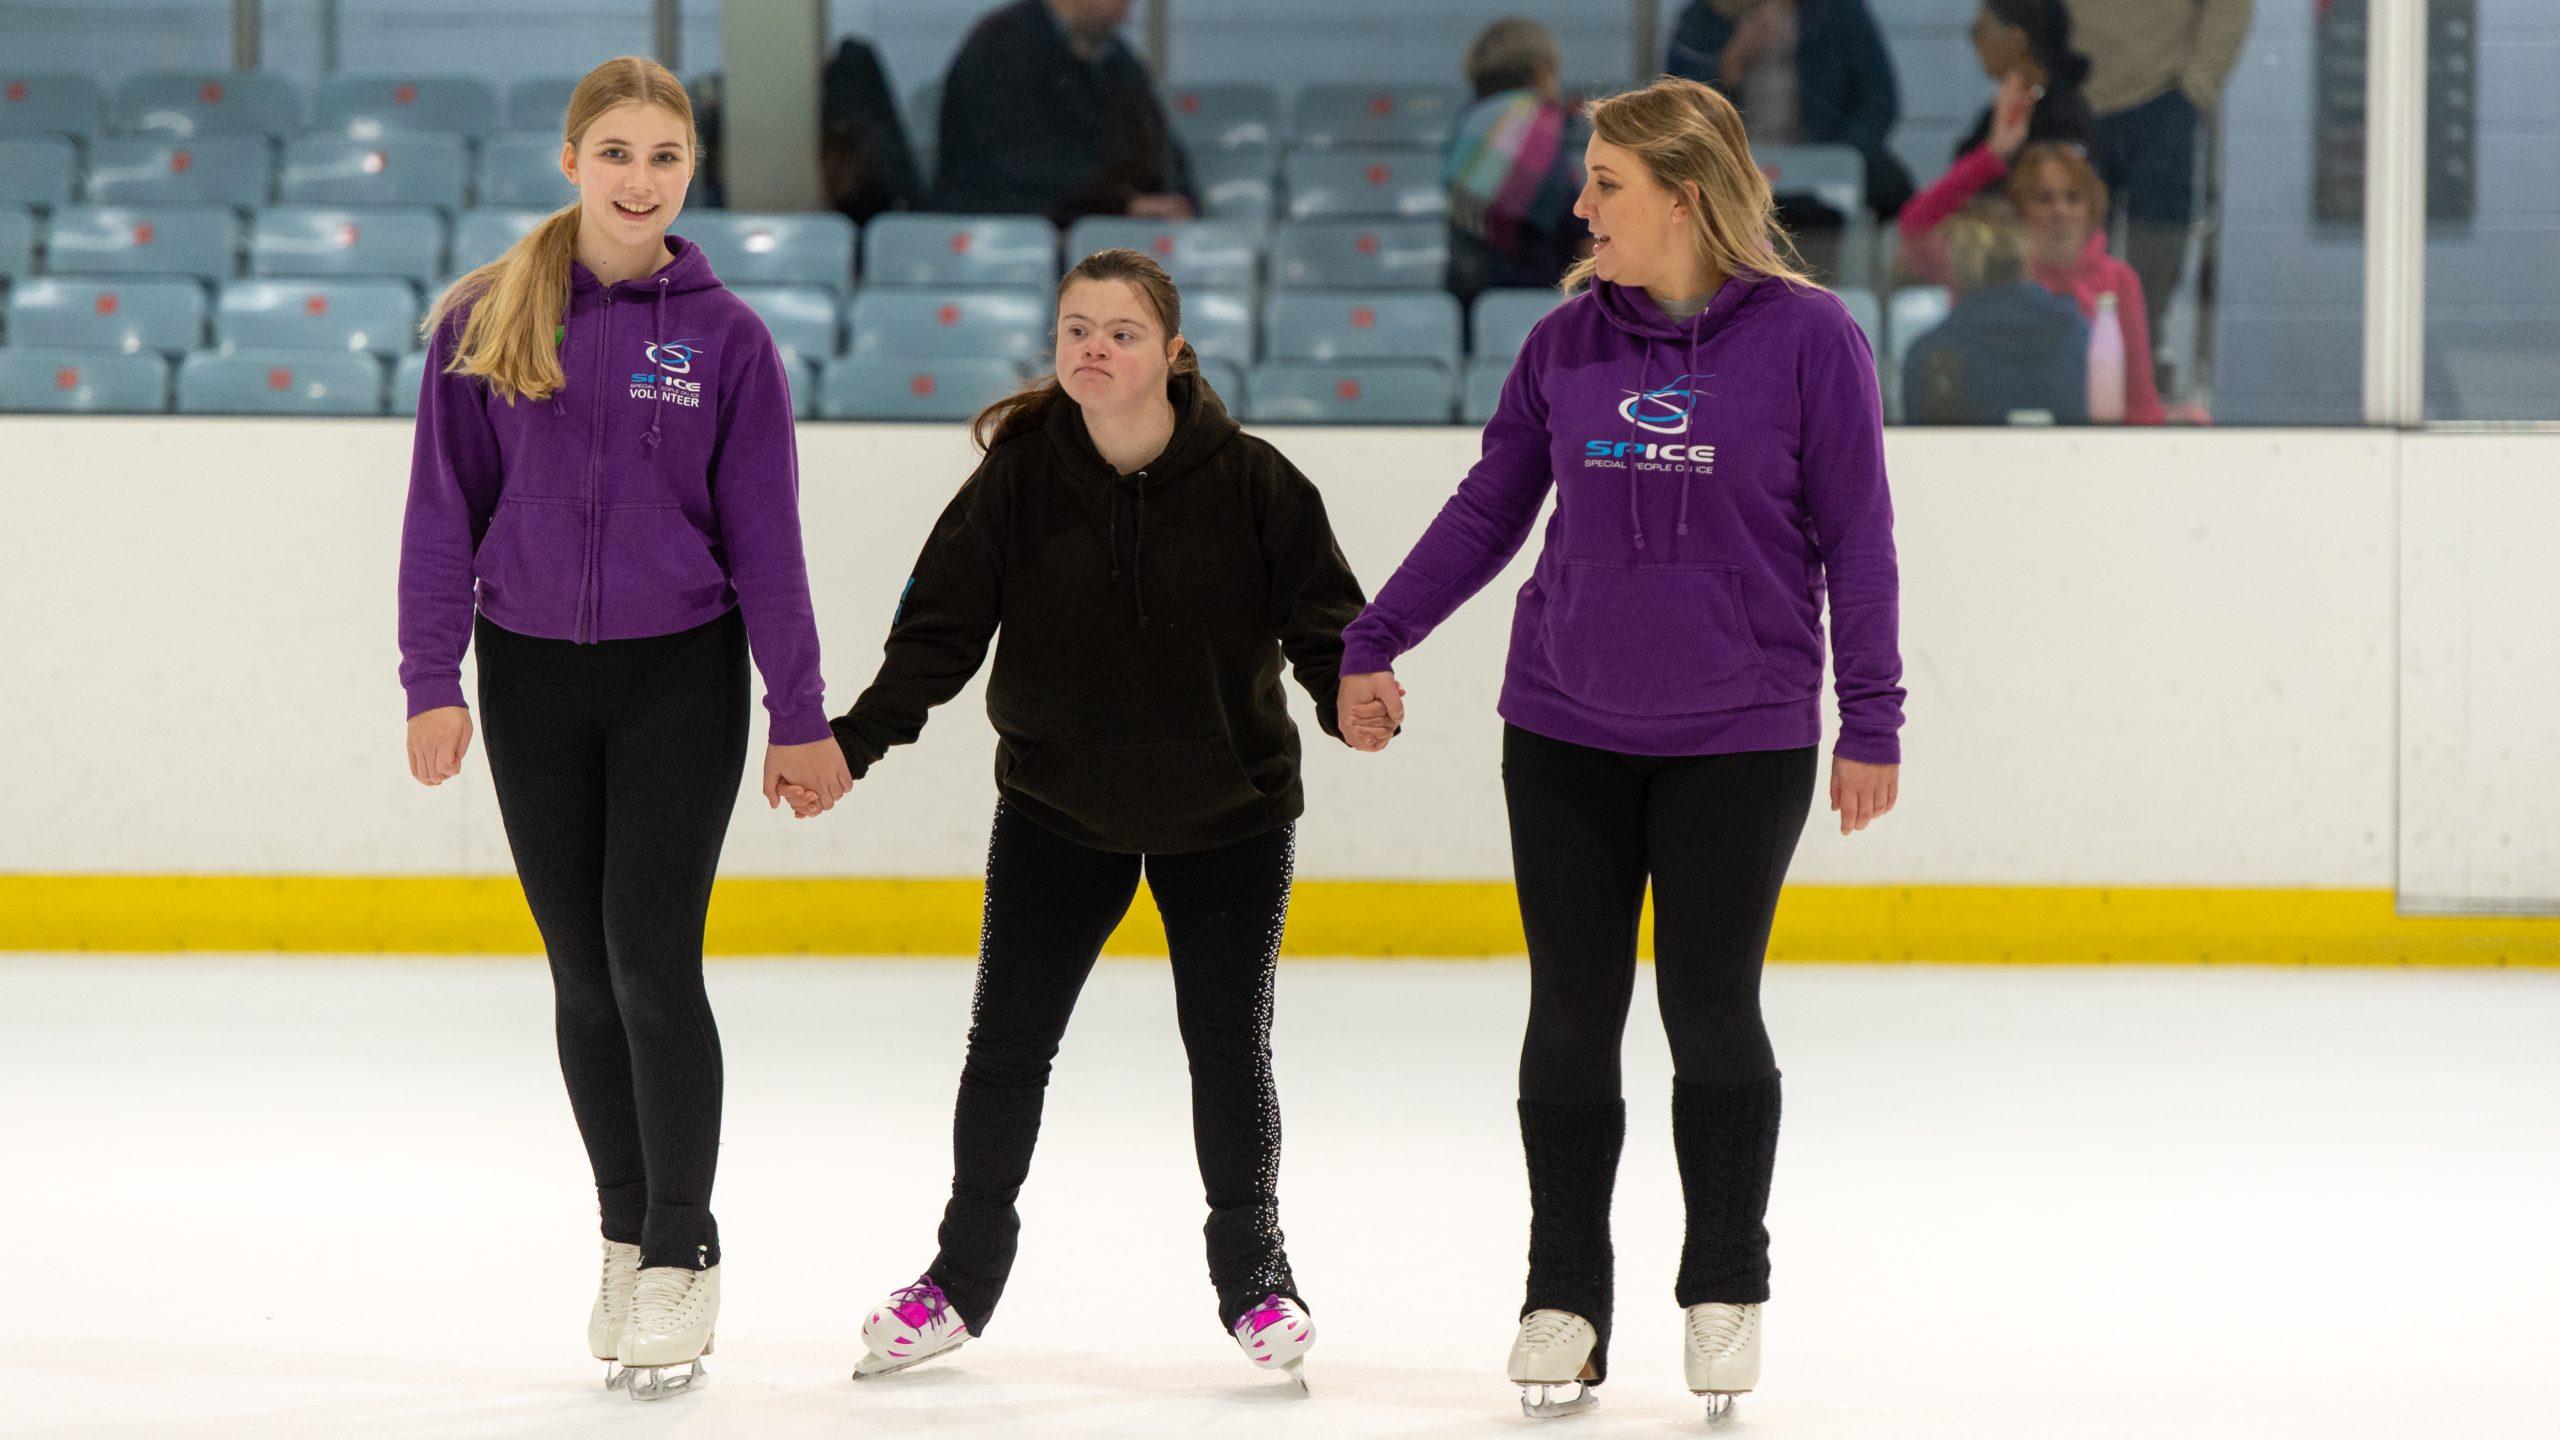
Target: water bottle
{"points": [[2106, 365]]}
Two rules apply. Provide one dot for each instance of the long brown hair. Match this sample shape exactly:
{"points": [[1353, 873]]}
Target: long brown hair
{"points": [[1691, 139], [510, 338], [1028, 409]]}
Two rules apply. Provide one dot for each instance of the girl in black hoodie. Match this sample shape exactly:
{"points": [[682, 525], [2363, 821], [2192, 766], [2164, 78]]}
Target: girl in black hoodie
{"points": [[1143, 568]]}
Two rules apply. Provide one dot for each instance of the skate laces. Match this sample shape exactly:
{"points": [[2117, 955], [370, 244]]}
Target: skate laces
{"points": [[1269, 1312], [1548, 1327], [664, 1286], [1717, 1328], [925, 1293]]}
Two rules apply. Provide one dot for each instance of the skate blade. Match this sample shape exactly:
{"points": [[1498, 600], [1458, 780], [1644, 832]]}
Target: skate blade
{"points": [[1297, 1370], [1719, 1406], [1539, 1402], [615, 1375], [654, 1383], [872, 1367]]}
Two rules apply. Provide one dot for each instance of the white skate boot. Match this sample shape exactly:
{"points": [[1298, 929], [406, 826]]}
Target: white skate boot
{"points": [[910, 1327], [1276, 1335], [1723, 1355], [673, 1311], [613, 1310], [1553, 1351]]}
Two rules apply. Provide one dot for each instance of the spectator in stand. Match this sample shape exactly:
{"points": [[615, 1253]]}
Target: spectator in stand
{"points": [[1803, 72], [2057, 195], [2157, 67], [1514, 167], [863, 160], [2010, 349], [1047, 111]]}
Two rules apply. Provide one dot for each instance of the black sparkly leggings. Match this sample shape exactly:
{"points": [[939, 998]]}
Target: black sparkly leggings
{"points": [[1051, 903]]}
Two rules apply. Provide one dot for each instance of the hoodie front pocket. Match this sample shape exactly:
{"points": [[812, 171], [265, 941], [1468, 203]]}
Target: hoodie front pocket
{"points": [[1134, 791], [655, 565], [531, 560], [1651, 639]]}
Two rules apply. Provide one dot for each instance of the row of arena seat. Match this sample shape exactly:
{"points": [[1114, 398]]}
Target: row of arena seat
{"points": [[191, 104], [914, 358], [522, 168]]}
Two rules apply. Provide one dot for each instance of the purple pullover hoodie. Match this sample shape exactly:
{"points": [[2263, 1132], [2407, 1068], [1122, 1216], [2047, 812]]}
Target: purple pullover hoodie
{"points": [[1713, 477], [657, 490]]}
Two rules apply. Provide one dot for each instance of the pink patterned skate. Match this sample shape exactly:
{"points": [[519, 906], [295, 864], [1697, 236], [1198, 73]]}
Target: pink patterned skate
{"points": [[1276, 1335], [915, 1325]]}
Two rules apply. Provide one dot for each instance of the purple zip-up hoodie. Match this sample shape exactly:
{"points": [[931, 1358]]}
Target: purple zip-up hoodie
{"points": [[1712, 477], [660, 488]]}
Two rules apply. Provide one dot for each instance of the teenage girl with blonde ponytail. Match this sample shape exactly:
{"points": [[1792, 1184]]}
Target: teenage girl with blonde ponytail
{"points": [[604, 497]]}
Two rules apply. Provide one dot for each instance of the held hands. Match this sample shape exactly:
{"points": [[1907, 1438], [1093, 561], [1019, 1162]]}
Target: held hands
{"points": [[438, 739], [1369, 708], [1863, 793], [813, 777]]}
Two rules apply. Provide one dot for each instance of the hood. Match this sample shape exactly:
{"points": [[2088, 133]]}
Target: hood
{"points": [[1649, 328], [1201, 428]]}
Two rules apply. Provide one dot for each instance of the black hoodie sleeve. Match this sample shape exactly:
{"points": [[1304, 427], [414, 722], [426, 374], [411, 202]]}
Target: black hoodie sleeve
{"points": [[940, 634], [1313, 592]]}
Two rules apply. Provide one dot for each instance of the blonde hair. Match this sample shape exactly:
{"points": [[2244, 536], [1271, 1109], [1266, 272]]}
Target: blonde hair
{"points": [[1984, 248], [511, 336], [2074, 161], [1691, 140], [1028, 409]]}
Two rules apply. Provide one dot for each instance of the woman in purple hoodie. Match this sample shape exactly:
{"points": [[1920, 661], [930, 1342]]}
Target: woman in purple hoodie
{"points": [[604, 472], [1708, 419]]}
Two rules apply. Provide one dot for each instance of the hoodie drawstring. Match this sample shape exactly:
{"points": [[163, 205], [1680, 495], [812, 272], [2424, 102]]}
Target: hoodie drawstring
{"points": [[657, 337], [1689, 473], [1138, 551], [1644, 370]]}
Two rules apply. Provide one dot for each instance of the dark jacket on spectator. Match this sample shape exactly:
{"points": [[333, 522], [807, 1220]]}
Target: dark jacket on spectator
{"points": [[863, 158], [1846, 93], [1029, 127], [2004, 348]]}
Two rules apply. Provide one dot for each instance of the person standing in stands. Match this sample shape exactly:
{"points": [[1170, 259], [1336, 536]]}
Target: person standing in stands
{"points": [[1046, 111], [1514, 167], [2156, 69], [1803, 72]]}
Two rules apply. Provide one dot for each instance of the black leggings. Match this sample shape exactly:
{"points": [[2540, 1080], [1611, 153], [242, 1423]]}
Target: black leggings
{"points": [[617, 768], [1051, 903], [1713, 834]]}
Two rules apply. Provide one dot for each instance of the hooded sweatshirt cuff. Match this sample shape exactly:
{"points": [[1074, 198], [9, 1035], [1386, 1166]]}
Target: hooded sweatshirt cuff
{"points": [[1869, 748], [799, 727], [434, 694], [1359, 657]]}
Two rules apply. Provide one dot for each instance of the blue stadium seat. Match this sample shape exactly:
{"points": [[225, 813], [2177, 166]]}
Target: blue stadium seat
{"points": [[1226, 378], [1375, 392], [480, 236], [899, 387], [1405, 181], [17, 240], [751, 249], [1836, 175], [1503, 319], [50, 104], [1337, 325], [1480, 393], [279, 382], [922, 111], [908, 249], [44, 379], [1864, 309], [37, 170], [1334, 114], [233, 170], [1360, 254], [403, 242], [376, 317], [408, 377], [198, 240], [407, 170], [1225, 254], [1912, 313], [803, 373], [803, 318], [1222, 325], [369, 107], [191, 104], [130, 315], [935, 324], [1224, 116], [523, 169], [542, 104], [1240, 184]]}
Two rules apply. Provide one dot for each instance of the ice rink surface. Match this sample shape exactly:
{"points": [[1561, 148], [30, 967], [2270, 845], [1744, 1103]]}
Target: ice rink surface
{"points": [[311, 1197]]}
